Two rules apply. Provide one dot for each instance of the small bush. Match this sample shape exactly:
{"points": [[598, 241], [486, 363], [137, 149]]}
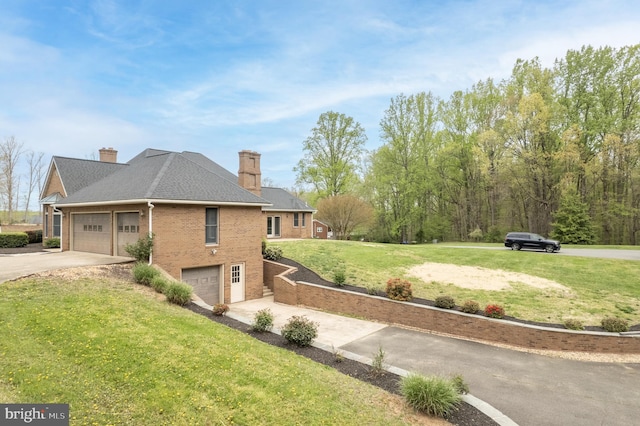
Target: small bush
{"points": [[615, 325], [13, 239], [220, 309], [178, 293], [263, 320], [272, 253], [445, 302], [143, 273], [470, 307], [52, 242], [372, 289], [339, 278], [434, 396], [159, 283], [573, 324], [459, 383], [300, 330], [494, 311], [377, 363], [34, 236], [399, 289], [141, 250]]}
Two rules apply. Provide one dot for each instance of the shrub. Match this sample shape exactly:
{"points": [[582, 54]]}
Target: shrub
{"points": [[434, 396], [272, 253], [300, 330], [445, 302], [143, 273], [573, 324], [372, 289], [159, 283], [34, 236], [494, 311], [141, 250], [399, 289], [52, 242], [470, 307], [263, 320], [220, 309], [459, 383], [13, 239], [178, 293], [615, 325], [377, 363], [339, 278]]}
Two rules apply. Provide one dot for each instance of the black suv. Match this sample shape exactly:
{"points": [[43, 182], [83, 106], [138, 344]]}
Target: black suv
{"points": [[527, 240]]}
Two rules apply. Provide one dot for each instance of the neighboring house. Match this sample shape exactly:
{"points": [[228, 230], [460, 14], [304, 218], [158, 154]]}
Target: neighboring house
{"points": [[321, 230], [208, 224], [287, 216]]}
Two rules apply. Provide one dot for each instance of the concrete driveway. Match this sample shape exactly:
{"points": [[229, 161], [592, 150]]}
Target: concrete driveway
{"points": [[22, 265]]}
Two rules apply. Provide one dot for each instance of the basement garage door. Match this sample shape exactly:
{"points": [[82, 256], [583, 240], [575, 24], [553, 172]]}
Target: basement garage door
{"points": [[92, 232], [205, 282]]}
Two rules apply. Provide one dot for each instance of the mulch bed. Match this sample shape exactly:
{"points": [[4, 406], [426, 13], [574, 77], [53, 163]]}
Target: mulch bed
{"points": [[465, 415]]}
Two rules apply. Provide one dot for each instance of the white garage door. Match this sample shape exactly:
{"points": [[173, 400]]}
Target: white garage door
{"points": [[92, 233], [205, 282]]}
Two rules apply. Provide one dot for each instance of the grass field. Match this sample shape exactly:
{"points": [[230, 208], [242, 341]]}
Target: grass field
{"points": [[599, 287], [121, 356]]}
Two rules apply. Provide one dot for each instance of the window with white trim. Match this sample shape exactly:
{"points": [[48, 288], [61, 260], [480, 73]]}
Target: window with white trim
{"points": [[211, 225]]}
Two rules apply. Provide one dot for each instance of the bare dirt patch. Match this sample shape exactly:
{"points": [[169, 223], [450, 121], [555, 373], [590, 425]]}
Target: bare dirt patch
{"points": [[477, 278]]}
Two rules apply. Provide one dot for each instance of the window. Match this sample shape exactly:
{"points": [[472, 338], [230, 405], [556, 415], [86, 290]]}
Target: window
{"points": [[211, 226], [296, 221], [304, 223], [57, 219]]}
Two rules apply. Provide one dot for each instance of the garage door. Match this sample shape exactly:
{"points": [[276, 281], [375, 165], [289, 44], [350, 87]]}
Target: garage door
{"points": [[92, 233], [205, 282], [128, 231]]}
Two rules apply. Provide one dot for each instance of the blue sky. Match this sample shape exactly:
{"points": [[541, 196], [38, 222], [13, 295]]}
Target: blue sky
{"points": [[217, 76]]}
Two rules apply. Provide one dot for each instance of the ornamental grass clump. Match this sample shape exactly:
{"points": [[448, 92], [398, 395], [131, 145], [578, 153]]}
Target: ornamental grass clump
{"points": [[263, 320], [143, 273], [399, 289], [434, 396], [445, 302], [178, 293], [615, 325], [159, 283], [470, 307], [339, 278], [300, 330], [494, 311]]}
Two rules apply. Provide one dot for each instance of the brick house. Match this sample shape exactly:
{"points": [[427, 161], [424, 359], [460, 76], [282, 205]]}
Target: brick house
{"points": [[207, 223]]}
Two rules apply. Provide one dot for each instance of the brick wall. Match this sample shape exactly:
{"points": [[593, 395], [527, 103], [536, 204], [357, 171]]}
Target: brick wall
{"points": [[444, 321], [287, 230], [180, 243]]}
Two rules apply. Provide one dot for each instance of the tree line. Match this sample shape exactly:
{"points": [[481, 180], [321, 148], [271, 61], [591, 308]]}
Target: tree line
{"points": [[554, 151]]}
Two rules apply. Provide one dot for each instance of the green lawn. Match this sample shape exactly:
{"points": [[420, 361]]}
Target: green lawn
{"points": [[120, 355], [599, 287]]}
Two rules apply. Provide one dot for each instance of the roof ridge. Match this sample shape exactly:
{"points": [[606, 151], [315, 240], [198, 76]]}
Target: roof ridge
{"points": [[160, 175]]}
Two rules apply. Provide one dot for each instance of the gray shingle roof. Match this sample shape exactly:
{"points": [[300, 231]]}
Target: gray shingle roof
{"points": [[165, 175], [77, 174], [284, 201]]}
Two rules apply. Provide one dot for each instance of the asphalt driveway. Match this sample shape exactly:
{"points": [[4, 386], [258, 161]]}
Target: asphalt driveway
{"points": [[22, 265]]}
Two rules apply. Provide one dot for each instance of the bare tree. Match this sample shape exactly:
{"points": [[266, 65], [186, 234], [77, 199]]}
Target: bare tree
{"points": [[34, 161], [344, 213], [10, 152]]}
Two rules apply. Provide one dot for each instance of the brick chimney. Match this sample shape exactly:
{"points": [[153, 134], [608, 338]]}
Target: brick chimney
{"points": [[249, 176], [108, 155]]}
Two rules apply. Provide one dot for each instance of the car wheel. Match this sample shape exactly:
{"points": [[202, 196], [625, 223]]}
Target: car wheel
{"points": [[515, 246], [549, 248]]}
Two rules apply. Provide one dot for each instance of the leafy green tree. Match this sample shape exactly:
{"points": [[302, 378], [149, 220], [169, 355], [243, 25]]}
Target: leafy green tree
{"points": [[333, 154], [572, 223]]}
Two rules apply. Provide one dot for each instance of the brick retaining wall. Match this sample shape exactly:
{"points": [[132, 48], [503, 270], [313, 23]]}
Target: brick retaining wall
{"points": [[440, 320]]}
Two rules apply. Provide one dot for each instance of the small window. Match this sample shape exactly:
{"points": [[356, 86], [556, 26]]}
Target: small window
{"points": [[211, 226], [304, 222], [57, 224], [296, 220]]}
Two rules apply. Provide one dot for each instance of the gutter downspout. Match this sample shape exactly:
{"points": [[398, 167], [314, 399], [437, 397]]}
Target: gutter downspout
{"points": [[151, 206]]}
